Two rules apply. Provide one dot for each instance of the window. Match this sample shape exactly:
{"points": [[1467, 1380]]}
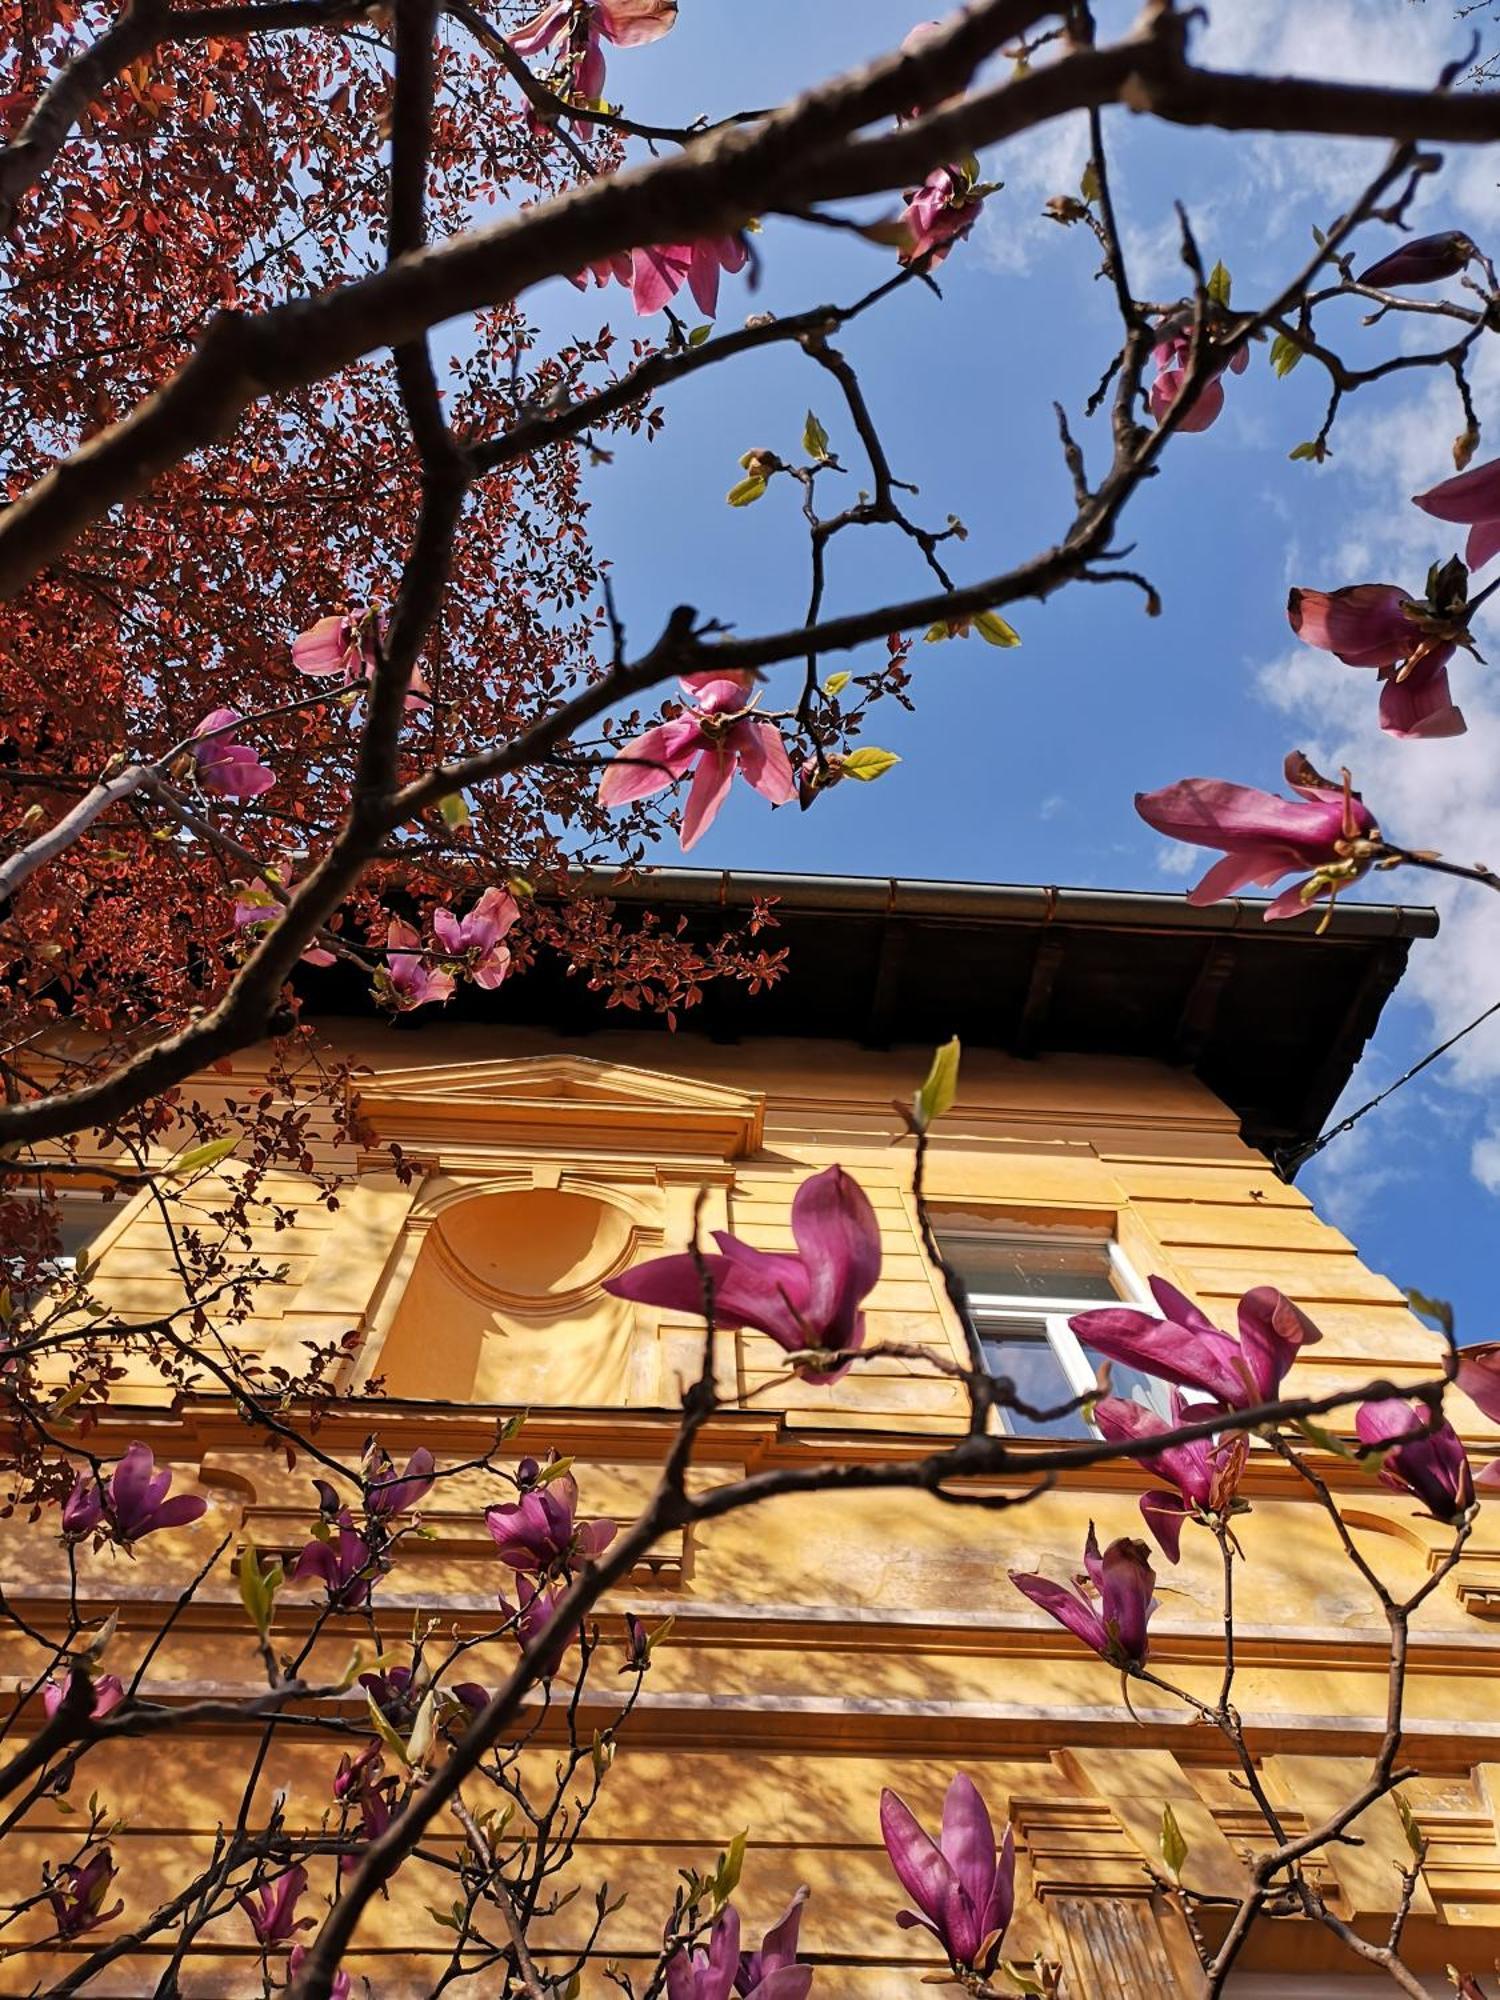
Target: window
{"points": [[70, 1222], [1024, 1284]]}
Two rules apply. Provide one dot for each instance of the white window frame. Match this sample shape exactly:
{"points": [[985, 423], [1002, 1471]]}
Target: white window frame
{"points": [[1053, 1310]]}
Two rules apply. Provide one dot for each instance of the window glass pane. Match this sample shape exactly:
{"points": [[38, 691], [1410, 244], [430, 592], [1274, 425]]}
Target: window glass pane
{"points": [[1020, 1348], [78, 1222], [1037, 1265], [1130, 1383]]}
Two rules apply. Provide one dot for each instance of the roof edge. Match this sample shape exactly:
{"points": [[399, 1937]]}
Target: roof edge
{"points": [[996, 902]]}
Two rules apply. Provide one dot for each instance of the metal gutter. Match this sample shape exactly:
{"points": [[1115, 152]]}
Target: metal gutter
{"points": [[995, 902]]}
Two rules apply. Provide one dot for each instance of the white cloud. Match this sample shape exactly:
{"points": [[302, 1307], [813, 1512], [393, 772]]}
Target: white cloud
{"points": [[1442, 795], [1013, 230], [1176, 858], [1485, 1161]]}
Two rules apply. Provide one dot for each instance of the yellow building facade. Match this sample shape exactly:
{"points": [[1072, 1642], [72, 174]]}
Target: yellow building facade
{"points": [[1127, 1066]]}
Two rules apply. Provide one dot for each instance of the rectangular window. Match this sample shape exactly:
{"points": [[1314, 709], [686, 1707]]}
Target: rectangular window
{"points": [[1024, 1284], [77, 1216]]}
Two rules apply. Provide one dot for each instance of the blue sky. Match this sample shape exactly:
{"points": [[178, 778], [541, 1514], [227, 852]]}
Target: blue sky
{"points": [[1020, 766]]}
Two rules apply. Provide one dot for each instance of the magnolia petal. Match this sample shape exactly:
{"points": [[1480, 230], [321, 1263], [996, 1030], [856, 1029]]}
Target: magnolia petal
{"points": [[1065, 1606], [650, 763], [764, 761], [1479, 1377], [1421, 706], [839, 1238], [968, 1845], [1164, 1514], [706, 794], [1272, 1330], [1468, 497], [921, 1869]]}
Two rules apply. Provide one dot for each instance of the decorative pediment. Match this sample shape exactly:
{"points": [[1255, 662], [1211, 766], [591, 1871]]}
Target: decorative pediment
{"points": [[567, 1103]]}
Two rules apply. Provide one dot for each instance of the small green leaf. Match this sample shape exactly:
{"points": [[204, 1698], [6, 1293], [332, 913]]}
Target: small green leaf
{"points": [[1218, 284], [358, 1665], [1088, 187], [836, 683], [1174, 1849], [455, 811], [1285, 354], [941, 1088], [727, 1874], [388, 1736], [993, 629], [1325, 1440], [869, 763], [555, 1470], [513, 1426], [1416, 1840], [814, 438], [423, 1731], [698, 335], [1437, 1310], [748, 491], [1314, 449], [258, 1588], [196, 1158]]}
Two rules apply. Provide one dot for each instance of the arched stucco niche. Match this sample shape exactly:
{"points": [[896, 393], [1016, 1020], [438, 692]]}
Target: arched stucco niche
{"points": [[505, 1302]]}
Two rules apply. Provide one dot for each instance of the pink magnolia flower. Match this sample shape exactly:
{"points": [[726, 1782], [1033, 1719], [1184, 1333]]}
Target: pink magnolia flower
{"points": [[1471, 498], [658, 273], [940, 213], [613, 270], [480, 933], [109, 1692], [255, 908], [273, 1912], [775, 1972], [347, 643], [411, 982], [533, 1614], [1435, 1468], [134, 1503], [83, 1510], [385, 1493], [965, 1891], [341, 1986], [1172, 354], [1265, 837], [392, 1692], [77, 1894], [358, 1782], [342, 1565], [696, 1972], [578, 28], [713, 739], [1205, 1472], [231, 769], [808, 1300], [1184, 1347], [1423, 261], [538, 1532], [1405, 639], [1479, 1377], [1122, 1579]]}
